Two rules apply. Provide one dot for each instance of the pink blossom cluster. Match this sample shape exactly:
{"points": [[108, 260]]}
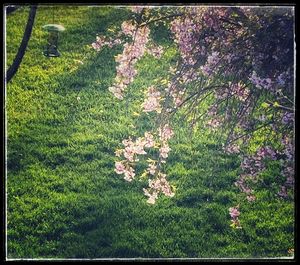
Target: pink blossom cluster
{"points": [[176, 94], [163, 151], [165, 132], [126, 61], [189, 75], [127, 170], [137, 148], [212, 111], [260, 83], [222, 93], [152, 168], [232, 148], [128, 27], [288, 118], [241, 92], [156, 186], [288, 172], [214, 123], [283, 78], [234, 214], [155, 51], [137, 9], [212, 17], [149, 140], [130, 152], [252, 166], [102, 41], [212, 64], [241, 184], [186, 31], [178, 99], [134, 148], [152, 100], [266, 152]]}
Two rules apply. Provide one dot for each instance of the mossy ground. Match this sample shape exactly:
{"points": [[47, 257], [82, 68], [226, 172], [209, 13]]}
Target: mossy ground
{"points": [[64, 198]]}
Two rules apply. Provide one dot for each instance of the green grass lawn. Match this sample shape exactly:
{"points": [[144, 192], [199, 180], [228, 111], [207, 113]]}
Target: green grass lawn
{"points": [[64, 198]]}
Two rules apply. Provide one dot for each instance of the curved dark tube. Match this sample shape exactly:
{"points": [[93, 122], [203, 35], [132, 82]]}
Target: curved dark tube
{"points": [[18, 59]]}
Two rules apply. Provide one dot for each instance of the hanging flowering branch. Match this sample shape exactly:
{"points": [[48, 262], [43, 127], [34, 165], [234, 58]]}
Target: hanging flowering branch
{"points": [[240, 60]]}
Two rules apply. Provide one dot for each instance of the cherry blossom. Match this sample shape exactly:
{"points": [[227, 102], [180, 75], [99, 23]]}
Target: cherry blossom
{"points": [[149, 140], [120, 168], [137, 9], [164, 150], [156, 186], [129, 174], [234, 213], [152, 101], [152, 168], [165, 132], [227, 57], [156, 51]]}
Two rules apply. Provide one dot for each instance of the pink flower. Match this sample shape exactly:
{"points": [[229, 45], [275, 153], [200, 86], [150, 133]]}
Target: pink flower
{"points": [[129, 153], [288, 118], [186, 32], [178, 101], [99, 43], [160, 184], [259, 82], [119, 168], [164, 150], [128, 27], [139, 147], [137, 9], [240, 92], [214, 123], [96, 46], [102, 41], [129, 174], [117, 91], [212, 64], [234, 212], [131, 53], [165, 133], [232, 149], [151, 103], [132, 148], [152, 196], [283, 192], [156, 51], [151, 169], [251, 198], [149, 140]]}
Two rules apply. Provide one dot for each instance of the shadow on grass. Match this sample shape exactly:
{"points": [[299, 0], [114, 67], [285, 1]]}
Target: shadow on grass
{"points": [[57, 176]]}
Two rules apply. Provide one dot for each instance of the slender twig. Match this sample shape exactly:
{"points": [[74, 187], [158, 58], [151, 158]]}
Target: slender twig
{"points": [[161, 18]]}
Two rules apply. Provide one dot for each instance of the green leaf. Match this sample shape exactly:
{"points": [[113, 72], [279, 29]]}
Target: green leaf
{"points": [[265, 105], [276, 104]]}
